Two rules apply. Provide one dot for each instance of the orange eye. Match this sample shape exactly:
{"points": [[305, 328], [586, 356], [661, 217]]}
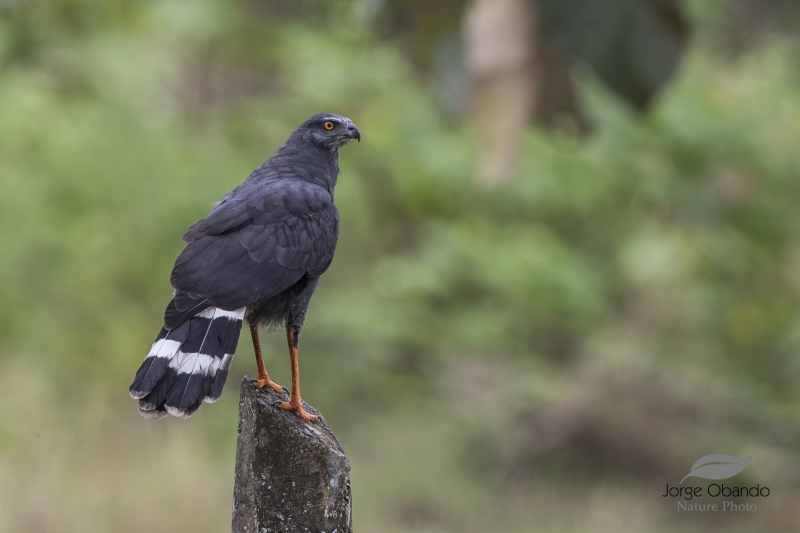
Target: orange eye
{"points": [[328, 125]]}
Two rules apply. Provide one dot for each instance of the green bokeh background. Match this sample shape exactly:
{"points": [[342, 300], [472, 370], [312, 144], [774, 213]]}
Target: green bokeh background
{"points": [[544, 356]]}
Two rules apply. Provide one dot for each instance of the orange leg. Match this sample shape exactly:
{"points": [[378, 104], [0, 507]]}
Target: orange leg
{"points": [[263, 377], [295, 403]]}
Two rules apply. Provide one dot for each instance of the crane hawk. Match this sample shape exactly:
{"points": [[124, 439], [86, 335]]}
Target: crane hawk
{"points": [[258, 257]]}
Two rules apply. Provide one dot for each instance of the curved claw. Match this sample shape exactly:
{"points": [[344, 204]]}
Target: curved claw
{"points": [[297, 408], [260, 383]]}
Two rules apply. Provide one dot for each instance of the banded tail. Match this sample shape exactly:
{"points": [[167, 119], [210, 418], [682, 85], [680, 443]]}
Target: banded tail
{"points": [[188, 364]]}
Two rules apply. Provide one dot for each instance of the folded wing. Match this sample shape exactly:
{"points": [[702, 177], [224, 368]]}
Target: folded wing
{"points": [[258, 243]]}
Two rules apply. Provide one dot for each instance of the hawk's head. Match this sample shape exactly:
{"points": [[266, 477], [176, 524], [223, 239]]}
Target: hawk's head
{"points": [[329, 131]]}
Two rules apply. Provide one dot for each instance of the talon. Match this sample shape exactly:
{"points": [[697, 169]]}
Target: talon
{"points": [[286, 391], [297, 408], [260, 383]]}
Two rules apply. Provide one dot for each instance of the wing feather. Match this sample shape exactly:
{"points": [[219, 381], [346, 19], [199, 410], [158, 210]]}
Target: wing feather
{"points": [[257, 244]]}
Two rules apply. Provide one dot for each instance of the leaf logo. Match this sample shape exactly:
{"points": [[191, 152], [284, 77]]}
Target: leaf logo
{"points": [[718, 466]]}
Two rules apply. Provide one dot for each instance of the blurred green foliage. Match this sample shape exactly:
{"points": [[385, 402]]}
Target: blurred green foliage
{"points": [[545, 356]]}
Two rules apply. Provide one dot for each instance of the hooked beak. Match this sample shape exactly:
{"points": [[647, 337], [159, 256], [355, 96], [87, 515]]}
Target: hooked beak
{"points": [[353, 132]]}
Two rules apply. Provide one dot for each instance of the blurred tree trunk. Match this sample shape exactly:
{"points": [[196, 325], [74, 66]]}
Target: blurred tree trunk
{"points": [[499, 51], [516, 73]]}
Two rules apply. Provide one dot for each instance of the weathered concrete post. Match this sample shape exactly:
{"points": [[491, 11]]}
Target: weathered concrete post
{"points": [[290, 476]]}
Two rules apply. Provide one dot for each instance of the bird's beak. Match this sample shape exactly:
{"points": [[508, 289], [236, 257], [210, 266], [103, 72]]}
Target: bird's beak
{"points": [[353, 132]]}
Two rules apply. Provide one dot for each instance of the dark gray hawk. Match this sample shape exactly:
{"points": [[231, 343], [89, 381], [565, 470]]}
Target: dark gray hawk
{"points": [[258, 257]]}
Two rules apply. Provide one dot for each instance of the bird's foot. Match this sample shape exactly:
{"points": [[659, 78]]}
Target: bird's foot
{"points": [[264, 381], [297, 407]]}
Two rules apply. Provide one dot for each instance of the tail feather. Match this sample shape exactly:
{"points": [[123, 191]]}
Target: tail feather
{"points": [[219, 368], [188, 365], [181, 308], [164, 349]]}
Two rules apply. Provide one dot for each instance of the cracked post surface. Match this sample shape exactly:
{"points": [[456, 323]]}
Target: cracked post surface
{"points": [[290, 475]]}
